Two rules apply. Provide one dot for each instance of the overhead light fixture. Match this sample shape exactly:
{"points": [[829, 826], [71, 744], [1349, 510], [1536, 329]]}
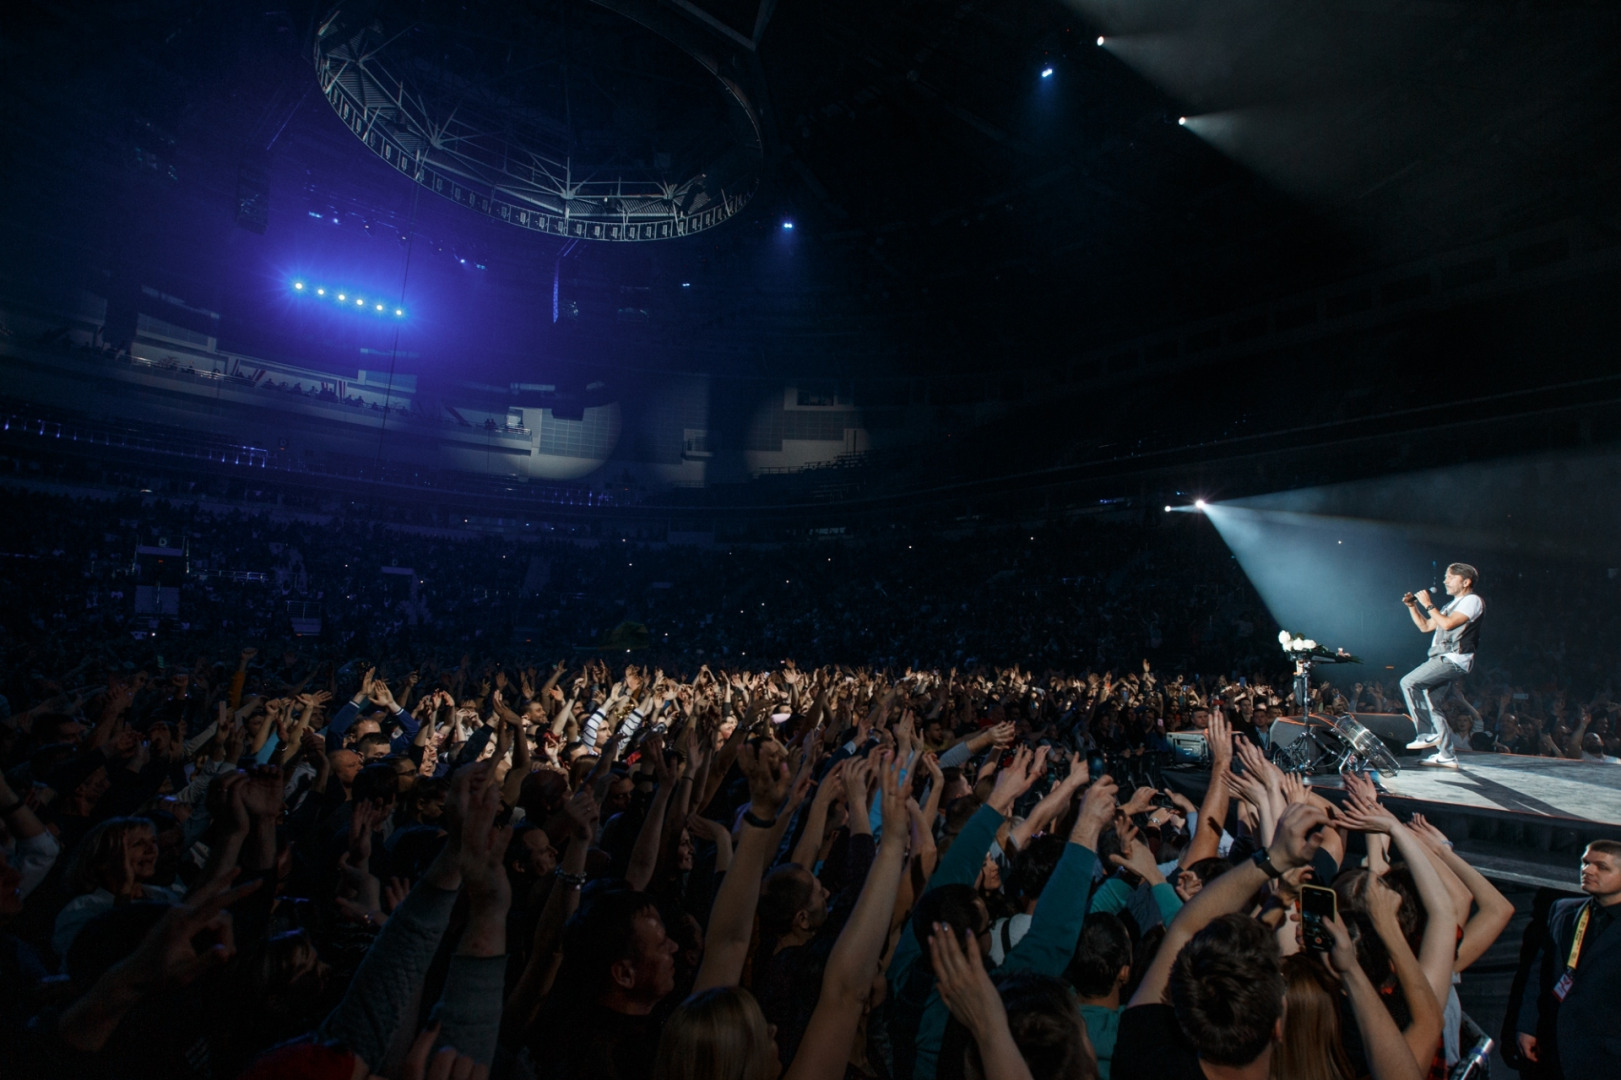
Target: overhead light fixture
{"points": [[1182, 120], [1100, 39], [1046, 73]]}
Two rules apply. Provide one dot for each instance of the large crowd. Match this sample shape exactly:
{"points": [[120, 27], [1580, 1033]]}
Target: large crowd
{"points": [[408, 847], [1078, 598]]}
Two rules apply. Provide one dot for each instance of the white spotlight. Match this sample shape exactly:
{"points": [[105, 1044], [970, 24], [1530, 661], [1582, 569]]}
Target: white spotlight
{"points": [[1167, 509], [1198, 504], [1182, 120], [1100, 39]]}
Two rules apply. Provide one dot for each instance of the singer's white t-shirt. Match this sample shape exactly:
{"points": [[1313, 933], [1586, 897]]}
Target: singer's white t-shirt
{"points": [[1472, 606]]}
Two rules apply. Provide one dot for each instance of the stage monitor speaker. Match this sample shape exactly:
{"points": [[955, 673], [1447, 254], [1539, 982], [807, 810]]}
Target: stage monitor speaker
{"points": [[1395, 730]]}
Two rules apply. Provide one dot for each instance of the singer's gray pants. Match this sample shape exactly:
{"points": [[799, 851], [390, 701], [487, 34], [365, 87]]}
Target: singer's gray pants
{"points": [[1416, 685]]}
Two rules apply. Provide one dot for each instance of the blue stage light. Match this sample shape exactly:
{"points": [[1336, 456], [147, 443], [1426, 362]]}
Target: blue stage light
{"points": [[299, 285], [342, 297], [1046, 73], [379, 307], [320, 292], [788, 226], [399, 311], [360, 301]]}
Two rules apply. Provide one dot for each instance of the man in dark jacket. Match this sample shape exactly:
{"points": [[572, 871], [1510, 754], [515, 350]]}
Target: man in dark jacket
{"points": [[1568, 1018]]}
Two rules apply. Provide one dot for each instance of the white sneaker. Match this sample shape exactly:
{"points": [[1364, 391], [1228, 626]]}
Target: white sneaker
{"points": [[1425, 742], [1441, 759]]}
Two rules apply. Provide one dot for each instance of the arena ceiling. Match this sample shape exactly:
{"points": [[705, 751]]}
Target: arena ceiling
{"points": [[954, 209]]}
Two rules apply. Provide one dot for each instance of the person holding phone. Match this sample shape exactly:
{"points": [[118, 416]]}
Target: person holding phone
{"points": [[1456, 630]]}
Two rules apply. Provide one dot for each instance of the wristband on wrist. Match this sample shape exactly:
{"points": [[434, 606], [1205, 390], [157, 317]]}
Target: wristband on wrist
{"points": [[758, 822], [573, 881], [1264, 861]]}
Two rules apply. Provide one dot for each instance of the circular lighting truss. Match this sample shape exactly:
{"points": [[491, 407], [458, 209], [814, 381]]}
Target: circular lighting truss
{"points": [[561, 118]]}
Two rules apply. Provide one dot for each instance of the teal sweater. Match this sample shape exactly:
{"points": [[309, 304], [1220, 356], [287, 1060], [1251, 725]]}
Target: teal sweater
{"points": [[1045, 949]]}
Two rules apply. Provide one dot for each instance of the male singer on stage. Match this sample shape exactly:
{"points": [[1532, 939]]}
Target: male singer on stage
{"points": [[1452, 655]]}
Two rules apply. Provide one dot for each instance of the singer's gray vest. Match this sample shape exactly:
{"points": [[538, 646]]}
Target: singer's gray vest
{"points": [[1460, 639]]}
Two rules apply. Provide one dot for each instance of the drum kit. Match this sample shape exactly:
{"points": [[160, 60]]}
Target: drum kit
{"points": [[1319, 745], [1316, 745]]}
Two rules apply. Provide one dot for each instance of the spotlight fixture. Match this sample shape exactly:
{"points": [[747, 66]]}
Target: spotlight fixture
{"points": [[1199, 504], [1182, 121], [299, 285], [1046, 73], [320, 292], [1100, 39], [379, 307], [788, 226], [399, 311], [1167, 509], [342, 297]]}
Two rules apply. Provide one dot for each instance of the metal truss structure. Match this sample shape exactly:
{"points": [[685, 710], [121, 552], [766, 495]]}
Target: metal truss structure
{"points": [[557, 118]]}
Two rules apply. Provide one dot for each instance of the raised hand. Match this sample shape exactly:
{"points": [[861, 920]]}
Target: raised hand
{"points": [[1097, 812], [1294, 789], [1012, 781], [965, 986], [1140, 801], [1137, 857], [765, 766], [582, 813], [1220, 737], [483, 845], [1341, 957], [1428, 832], [191, 938], [380, 694], [262, 792], [1298, 835], [1362, 810], [362, 819], [1079, 773], [894, 794]]}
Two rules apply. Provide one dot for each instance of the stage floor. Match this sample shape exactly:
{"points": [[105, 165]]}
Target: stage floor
{"points": [[1582, 791]]}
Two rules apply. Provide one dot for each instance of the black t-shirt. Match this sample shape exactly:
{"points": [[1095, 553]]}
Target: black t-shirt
{"points": [[1150, 1046], [594, 1043]]}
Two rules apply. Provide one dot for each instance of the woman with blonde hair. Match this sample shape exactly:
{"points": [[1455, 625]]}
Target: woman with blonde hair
{"points": [[112, 865], [718, 1034]]}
